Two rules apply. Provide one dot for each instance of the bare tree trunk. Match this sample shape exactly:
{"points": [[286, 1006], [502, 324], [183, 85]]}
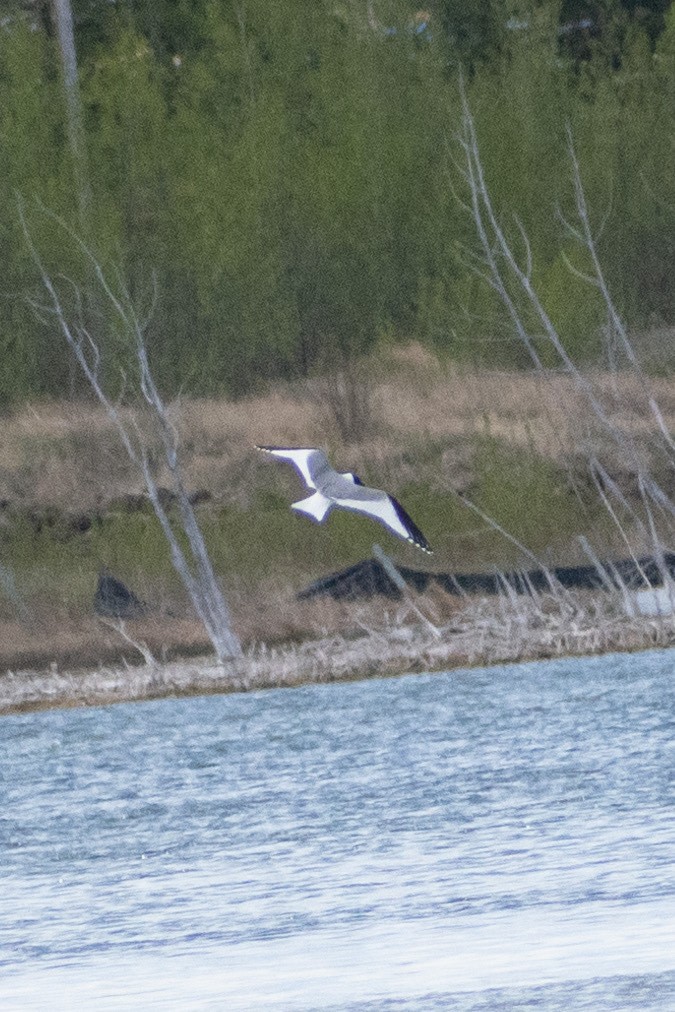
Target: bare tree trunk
{"points": [[498, 262], [63, 20], [193, 566], [373, 23]]}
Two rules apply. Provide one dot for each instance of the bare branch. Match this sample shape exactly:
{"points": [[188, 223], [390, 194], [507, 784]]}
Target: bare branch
{"points": [[496, 280], [600, 282], [481, 200], [501, 262], [491, 522], [528, 248], [120, 628], [201, 584], [577, 273]]}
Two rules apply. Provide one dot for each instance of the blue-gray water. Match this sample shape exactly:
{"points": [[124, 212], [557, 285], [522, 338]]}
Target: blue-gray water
{"points": [[490, 839]]}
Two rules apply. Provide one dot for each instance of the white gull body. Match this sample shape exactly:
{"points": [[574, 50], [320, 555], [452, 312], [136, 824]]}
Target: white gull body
{"points": [[344, 490]]}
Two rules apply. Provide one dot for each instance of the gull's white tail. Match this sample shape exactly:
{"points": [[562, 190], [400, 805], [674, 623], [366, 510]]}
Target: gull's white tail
{"points": [[316, 506]]}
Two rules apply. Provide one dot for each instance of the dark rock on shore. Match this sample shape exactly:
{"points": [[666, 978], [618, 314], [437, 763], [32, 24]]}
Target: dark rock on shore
{"points": [[113, 599]]}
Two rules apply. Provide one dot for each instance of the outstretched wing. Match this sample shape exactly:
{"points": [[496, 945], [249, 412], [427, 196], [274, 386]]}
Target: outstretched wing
{"points": [[306, 460], [388, 511]]}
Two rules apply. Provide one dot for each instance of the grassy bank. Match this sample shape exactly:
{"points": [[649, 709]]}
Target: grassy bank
{"points": [[517, 445]]}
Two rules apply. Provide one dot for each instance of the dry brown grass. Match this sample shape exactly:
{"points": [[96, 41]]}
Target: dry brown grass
{"points": [[77, 642], [270, 613], [67, 455]]}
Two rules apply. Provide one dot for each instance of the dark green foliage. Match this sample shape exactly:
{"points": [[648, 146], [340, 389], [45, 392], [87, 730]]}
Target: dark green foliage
{"points": [[282, 170]]}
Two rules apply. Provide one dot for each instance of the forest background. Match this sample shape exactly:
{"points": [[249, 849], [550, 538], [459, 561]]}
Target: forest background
{"points": [[283, 171]]}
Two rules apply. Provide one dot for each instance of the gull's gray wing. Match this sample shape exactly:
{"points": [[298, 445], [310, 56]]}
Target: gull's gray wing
{"points": [[380, 506], [341, 485], [310, 463]]}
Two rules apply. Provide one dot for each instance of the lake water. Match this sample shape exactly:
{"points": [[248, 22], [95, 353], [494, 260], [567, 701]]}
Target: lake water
{"points": [[486, 839]]}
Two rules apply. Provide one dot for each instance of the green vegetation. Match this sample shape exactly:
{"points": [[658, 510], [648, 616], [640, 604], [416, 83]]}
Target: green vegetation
{"points": [[284, 171], [265, 544]]}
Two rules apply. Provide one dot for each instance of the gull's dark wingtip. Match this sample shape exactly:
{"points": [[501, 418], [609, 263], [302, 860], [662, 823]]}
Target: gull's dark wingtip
{"points": [[422, 547], [415, 536]]}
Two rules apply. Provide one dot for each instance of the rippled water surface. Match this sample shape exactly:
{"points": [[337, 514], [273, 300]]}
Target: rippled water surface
{"points": [[487, 839]]}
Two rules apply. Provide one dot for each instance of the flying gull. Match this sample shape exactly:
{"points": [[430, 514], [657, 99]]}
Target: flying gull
{"points": [[344, 489]]}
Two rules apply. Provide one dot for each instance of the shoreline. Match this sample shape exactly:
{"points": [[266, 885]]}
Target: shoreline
{"points": [[483, 636]]}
